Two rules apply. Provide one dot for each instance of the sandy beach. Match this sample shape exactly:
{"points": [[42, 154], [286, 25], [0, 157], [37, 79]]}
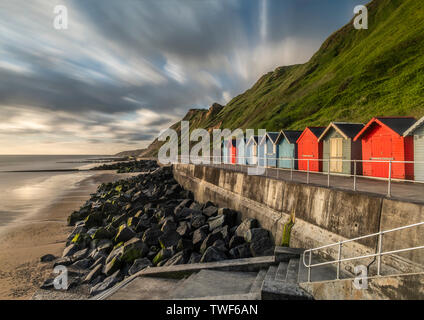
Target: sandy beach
{"points": [[24, 241]]}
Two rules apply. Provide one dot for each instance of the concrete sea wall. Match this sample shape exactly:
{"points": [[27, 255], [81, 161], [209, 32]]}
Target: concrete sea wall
{"points": [[323, 215]]}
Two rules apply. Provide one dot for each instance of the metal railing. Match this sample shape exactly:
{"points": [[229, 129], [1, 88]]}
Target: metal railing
{"points": [[379, 254], [275, 166]]}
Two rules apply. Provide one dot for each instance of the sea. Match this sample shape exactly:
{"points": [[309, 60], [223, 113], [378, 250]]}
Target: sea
{"points": [[31, 182]]}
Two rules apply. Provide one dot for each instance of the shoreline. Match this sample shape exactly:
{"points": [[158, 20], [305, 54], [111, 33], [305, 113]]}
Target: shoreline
{"points": [[25, 240]]}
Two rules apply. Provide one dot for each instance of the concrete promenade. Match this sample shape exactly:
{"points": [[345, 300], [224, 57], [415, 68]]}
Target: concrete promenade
{"points": [[408, 191]]}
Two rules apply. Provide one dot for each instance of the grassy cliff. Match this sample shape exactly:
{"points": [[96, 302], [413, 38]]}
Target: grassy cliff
{"points": [[355, 75]]}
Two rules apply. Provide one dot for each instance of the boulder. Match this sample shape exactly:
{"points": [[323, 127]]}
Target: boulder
{"points": [[134, 249], [196, 206], [210, 211], [70, 250], [124, 234], [197, 221], [169, 225], [213, 254], [169, 239], [47, 258], [209, 240], [82, 264], [112, 266], [262, 247], [256, 233], [107, 283], [184, 244], [199, 235], [183, 228], [177, 259], [151, 236], [184, 204], [186, 214], [102, 233], [246, 225], [236, 241], [94, 220], [241, 251], [139, 264], [194, 258], [94, 273], [163, 254]]}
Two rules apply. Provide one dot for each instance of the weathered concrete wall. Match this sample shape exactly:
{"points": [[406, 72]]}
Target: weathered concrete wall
{"points": [[323, 215], [400, 287]]}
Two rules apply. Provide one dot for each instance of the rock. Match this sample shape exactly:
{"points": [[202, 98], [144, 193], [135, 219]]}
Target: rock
{"points": [[184, 204], [216, 222], [236, 241], [77, 230], [213, 254], [107, 283], [151, 236], [183, 229], [256, 233], [246, 225], [93, 220], [134, 249], [225, 233], [163, 254], [112, 266], [125, 233], [220, 244], [177, 259], [230, 216], [48, 284], [196, 206], [65, 261], [240, 252], [117, 221], [102, 233], [82, 264], [169, 225], [209, 240], [210, 211], [70, 250], [47, 258], [261, 247], [100, 261], [185, 244], [81, 254], [197, 221], [138, 265], [194, 258], [94, 273], [186, 214], [199, 235], [169, 239]]}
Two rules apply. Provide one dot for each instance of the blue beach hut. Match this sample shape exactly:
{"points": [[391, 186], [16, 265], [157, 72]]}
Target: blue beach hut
{"points": [[287, 148]]}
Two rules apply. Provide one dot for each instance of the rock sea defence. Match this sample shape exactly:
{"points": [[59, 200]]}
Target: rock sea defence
{"points": [[130, 166], [146, 221]]}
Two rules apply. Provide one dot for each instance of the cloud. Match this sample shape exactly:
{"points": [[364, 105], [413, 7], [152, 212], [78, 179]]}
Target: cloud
{"points": [[124, 70]]}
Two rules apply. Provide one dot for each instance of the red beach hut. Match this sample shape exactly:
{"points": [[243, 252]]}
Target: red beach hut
{"points": [[309, 148], [382, 140], [232, 151]]}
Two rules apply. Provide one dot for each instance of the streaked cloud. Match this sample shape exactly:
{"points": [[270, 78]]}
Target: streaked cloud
{"points": [[124, 70]]}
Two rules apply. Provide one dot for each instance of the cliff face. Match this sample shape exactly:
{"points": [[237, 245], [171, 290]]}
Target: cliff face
{"points": [[355, 75]]}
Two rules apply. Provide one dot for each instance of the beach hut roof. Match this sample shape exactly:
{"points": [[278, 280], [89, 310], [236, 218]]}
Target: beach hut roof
{"points": [[271, 136], [398, 125], [346, 129], [253, 139], [316, 131], [414, 127], [290, 135]]}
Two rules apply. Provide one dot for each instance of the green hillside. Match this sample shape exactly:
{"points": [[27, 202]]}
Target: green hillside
{"points": [[355, 75]]}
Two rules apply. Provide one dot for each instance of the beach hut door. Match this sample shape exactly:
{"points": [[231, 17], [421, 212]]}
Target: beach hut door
{"points": [[336, 154]]}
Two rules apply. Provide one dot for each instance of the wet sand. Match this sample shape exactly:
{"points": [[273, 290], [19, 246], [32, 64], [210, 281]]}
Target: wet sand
{"points": [[24, 241]]}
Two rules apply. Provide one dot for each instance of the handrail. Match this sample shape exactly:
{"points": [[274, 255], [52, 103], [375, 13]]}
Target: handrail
{"points": [[273, 163], [378, 254]]}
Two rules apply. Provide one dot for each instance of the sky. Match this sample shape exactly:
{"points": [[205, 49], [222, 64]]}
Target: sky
{"points": [[125, 70]]}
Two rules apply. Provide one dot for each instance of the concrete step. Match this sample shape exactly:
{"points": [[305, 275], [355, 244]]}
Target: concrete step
{"points": [[292, 271], [320, 273], [284, 254], [281, 273], [281, 290], [255, 290], [270, 274], [210, 283]]}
